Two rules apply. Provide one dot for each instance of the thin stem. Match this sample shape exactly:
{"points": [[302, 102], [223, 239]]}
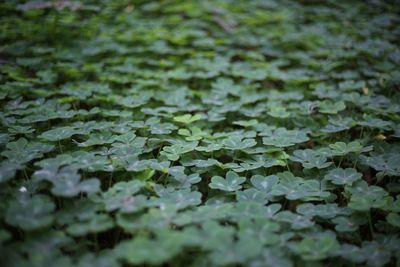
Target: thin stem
{"points": [[26, 175], [60, 147], [355, 163], [110, 179], [334, 163], [371, 228], [361, 133], [340, 162], [96, 243], [287, 165], [117, 235]]}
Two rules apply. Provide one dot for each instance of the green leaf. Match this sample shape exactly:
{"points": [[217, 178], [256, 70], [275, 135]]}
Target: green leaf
{"points": [[278, 112], [231, 183], [364, 197], [141, 249], [318, 247], [329, 107], [121, 196], [282, 137], [348, 224], [341, 148], [296, 221], [341, 176], [187, 118], [8, 170], [174, 152], [98, 139], [129, 130], [297, 188], [386, 164], [179, 199], [393, 219], [310, 159], [251, 195], [193, 133], [238, 143], [264, 184], [30, 213], [97, 223], [59, 133], [325, 211], [21, 151], [67, 182], [246, 123]]}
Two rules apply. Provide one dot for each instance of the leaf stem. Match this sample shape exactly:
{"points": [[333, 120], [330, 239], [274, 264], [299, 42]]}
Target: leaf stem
{"points": [[371, 228], [287, 165], [110, 179], [96, 243], [26, 175], [60, 147], [340, 161]]}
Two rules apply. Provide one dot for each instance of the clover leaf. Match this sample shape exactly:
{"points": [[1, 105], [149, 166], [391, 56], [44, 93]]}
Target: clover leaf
{"points": [[278, 112], [329, 107], [252, 195], [386, 164], [296, 221], [30, 213], [341, 176], [95, 224], [174, 152], [210, 147], [231, 183], [121, 196], [67, 182], [297, 188], [264, 184], [180, 199], [98, 139], [348, 224], [282, 137], [238, 143], [364, 197], [8, 170], [59, 133], [393, 219], [338, 124], [317, 247], [22, 151], [373, 122], [193, 133], [130, 143], [141, 249], [187, 118], [325, 211], [246, 123], [310, 159], [341, 148]]}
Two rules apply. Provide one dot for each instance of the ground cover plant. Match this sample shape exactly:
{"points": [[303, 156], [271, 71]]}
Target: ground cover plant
{"points": [[199, 133]]}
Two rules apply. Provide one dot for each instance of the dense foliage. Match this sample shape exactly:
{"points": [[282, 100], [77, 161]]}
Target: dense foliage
{"points": [[200, 133]]}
